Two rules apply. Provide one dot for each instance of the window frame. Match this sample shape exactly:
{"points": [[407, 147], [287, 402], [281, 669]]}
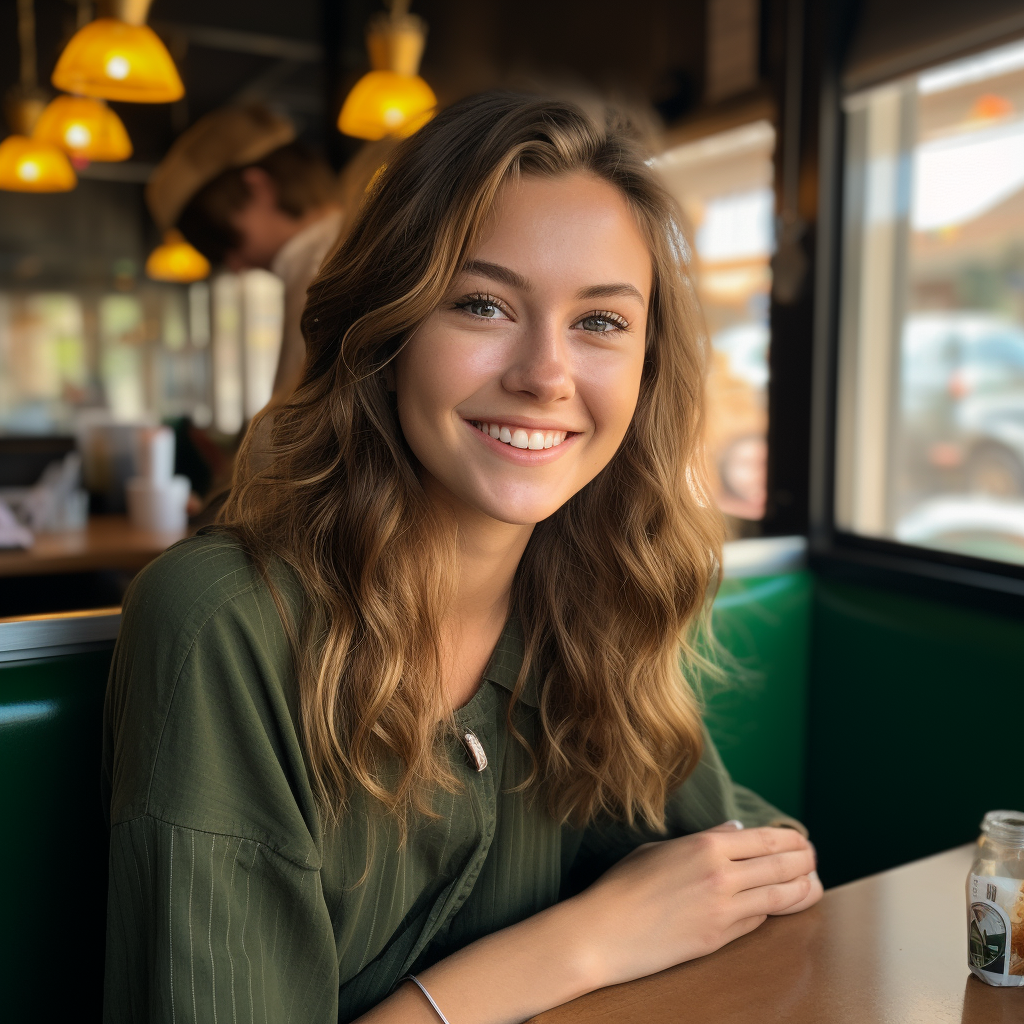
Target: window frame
{"points": [[846, 555]]}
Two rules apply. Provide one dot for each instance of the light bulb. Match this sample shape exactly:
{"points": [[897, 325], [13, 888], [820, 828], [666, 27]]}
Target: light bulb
{"points": [[117, 67]]}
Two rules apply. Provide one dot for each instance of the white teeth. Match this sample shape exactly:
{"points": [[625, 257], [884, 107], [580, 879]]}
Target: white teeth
{"points": [[520, 438]]}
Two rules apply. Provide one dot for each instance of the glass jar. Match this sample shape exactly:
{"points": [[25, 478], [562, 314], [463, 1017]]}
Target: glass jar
{"points": [[995, 901]]}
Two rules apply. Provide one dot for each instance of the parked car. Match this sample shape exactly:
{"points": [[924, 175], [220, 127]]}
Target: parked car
{"points": [[962, 404]]}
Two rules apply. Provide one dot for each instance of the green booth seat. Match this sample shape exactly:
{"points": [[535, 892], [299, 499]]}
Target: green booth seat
{"points": [[53, 860], [757, 711], [53, 673]]}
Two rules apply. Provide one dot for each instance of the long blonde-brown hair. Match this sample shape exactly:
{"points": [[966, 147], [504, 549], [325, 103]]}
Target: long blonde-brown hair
{"points": [[609, 587]]}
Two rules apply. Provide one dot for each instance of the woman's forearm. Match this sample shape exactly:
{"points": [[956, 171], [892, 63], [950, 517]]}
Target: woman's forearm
{"points": [[664, 903], [505, 977]]}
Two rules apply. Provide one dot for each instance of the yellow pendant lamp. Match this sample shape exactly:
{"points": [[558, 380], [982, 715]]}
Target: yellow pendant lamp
{"points": [[391, 99], [119, 58], [28, 164], [176, 260], [86, 128]]}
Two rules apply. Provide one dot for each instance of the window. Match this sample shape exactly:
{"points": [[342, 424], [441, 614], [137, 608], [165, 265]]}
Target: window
{"points": [[248, 318], [43, 360], [930, 446], [723, 183], [127, 356]]}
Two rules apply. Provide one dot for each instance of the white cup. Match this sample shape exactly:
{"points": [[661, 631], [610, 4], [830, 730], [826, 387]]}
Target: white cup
{"points": [[159, 507], [154, 453]]}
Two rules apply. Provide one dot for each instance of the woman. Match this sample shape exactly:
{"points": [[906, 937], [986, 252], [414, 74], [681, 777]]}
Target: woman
{"points": [[418, 707]]}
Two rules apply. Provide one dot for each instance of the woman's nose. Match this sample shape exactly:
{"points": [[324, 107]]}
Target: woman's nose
{"points": [[541, 367]]}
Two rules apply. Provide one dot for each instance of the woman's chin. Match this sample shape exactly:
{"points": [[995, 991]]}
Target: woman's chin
{"points": [[515, 513]]}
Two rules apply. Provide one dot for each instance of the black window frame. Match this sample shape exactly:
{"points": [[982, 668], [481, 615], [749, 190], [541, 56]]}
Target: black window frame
{"points": [[808, 330]]}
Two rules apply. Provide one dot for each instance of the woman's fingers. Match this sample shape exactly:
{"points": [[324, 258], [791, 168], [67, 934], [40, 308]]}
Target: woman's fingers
{"points": [[732, 825], [809, 900], [772, 899], [773, 869], [758, 842]]}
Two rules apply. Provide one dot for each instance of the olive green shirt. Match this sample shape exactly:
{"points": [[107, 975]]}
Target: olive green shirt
{"points": [[229, 901]]}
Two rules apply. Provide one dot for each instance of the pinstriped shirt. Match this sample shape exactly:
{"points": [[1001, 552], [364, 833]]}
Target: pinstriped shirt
{"points": [[229, 901]]}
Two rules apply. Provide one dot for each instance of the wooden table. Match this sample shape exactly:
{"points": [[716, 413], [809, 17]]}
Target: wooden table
{"points": [[108, 542], [889, 949]]}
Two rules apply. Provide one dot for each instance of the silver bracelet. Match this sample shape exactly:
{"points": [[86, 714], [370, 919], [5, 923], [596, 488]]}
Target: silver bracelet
{"points": [[430, 999]]}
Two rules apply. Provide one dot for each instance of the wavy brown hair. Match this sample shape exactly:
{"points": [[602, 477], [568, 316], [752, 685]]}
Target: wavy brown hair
{"points": [[610, 586]]}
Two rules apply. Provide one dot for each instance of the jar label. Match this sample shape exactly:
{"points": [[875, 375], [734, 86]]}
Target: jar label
{"points": [[995, 929]]}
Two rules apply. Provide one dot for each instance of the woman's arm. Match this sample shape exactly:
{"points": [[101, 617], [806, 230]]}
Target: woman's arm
{"points": [[665, 903]]}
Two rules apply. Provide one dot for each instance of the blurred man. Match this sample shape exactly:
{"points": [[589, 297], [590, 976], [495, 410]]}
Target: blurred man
{"points": [[246, 194]]}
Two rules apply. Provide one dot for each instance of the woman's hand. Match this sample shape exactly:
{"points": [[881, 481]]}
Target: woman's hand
{"points": [[682, 898]]}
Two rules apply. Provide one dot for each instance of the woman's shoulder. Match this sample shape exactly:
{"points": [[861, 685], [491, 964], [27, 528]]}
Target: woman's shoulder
{"points": [[200, 685], [201, 612], [191, 578], [205, 578]]}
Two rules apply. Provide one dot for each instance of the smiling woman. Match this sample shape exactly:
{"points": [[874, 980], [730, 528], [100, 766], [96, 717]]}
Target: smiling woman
{"points": [[427, 681]]}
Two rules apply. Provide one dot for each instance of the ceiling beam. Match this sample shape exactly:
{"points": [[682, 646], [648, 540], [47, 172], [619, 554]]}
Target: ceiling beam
{"points": [[238, 41]]}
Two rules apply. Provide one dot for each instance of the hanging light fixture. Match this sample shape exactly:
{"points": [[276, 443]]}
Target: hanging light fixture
{"points": [[86, 128], [28, 164], [391, 99], [119, 58], [176, 260]]}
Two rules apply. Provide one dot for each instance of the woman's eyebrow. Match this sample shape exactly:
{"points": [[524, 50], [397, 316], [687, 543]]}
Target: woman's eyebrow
{"points": [[496, 272], [507, 276], [610, 291]]}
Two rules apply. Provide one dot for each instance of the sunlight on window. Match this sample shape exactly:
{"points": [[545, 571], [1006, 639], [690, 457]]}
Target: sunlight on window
{"points": [[723, 184], [930, 447]]}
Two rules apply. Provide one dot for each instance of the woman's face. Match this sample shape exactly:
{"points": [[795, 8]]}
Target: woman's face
{"points": [[518, 390]]}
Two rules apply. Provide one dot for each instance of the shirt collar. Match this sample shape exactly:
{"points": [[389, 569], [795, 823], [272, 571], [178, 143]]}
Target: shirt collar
{"points": [[503, 668]]}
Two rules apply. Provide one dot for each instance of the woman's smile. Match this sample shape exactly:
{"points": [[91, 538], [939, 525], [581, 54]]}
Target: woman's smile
{"points": [[522, 437], [523, 445]]}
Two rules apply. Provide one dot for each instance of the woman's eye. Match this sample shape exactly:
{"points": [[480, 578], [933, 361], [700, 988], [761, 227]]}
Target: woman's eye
{"points": [[483, 308], [601, 324]]}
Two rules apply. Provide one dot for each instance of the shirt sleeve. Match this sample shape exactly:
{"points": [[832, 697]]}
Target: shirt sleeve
{"points": [[215, 908], [204, 928], [707, 798], [710, 796]]}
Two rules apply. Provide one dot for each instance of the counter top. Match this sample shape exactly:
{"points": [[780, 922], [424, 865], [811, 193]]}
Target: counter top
{"points": [[108, 542], [888, 949]]}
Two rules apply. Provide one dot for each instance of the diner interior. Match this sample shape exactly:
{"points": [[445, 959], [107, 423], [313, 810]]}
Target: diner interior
{"points": [[851, 180]]}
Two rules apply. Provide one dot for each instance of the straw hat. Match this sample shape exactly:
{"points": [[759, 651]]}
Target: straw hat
{"points": [[229, 137]]}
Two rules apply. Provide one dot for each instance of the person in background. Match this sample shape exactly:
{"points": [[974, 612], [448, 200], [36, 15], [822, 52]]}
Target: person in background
{"points": [[246, 194]]}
